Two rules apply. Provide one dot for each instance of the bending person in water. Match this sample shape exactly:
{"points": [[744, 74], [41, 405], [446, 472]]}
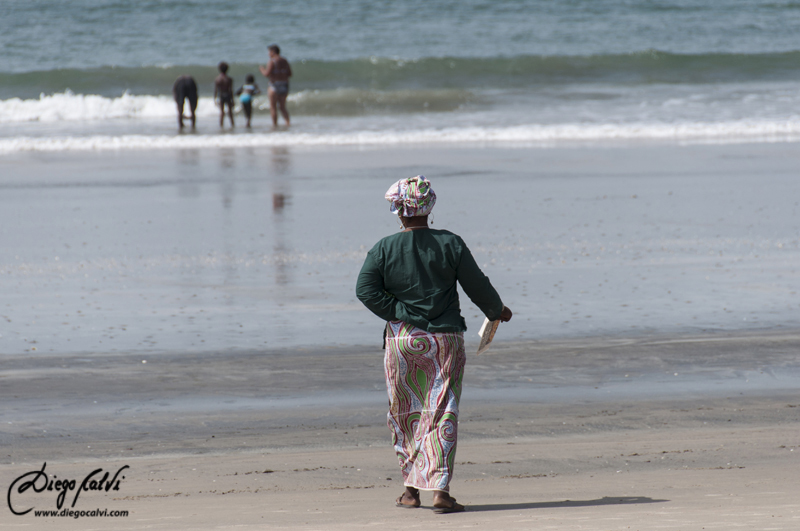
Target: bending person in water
{"points": [[278, 72], [223, 89], [185, 89]]}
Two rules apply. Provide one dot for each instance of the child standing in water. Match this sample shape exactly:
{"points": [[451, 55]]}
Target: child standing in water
{"points": [[223, 89], [246, 93]]}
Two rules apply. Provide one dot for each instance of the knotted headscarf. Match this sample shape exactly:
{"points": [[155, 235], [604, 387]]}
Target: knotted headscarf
{"points": [[411, 197]]}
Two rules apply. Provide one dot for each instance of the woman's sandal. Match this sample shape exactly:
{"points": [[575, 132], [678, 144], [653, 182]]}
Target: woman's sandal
{"points": [[452, 508], [399, 502]]}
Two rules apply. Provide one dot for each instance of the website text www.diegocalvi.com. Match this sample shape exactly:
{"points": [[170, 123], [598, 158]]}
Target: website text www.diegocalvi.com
{"points": [[70, 513]]}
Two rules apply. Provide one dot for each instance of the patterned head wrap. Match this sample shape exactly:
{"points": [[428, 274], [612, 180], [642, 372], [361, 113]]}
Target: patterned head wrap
{"points": [[411, 197]]}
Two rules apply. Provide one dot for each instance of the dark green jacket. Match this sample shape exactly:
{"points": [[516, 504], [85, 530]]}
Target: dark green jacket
{"points": [[411, 276]]}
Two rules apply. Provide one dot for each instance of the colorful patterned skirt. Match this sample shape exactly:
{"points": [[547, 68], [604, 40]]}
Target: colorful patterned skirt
{"points": [[423, 376]]}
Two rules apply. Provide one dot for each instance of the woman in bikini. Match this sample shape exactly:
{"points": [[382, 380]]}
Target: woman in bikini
{"points": [[278, 73]]}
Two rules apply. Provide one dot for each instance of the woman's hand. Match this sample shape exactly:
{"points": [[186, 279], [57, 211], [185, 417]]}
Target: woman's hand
{"points": [[505, 315]]}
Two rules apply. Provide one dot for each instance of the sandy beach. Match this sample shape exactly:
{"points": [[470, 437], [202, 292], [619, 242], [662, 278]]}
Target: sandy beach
{"points": [[191, 315], [598, 433], [181, 345]]}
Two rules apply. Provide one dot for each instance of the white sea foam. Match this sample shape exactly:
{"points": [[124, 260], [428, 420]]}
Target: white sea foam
{"points": [[720, 132], [69, 107], [75, 119]]}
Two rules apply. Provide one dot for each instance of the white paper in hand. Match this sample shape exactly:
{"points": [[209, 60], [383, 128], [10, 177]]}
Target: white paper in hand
{"points": [[487, 334]]}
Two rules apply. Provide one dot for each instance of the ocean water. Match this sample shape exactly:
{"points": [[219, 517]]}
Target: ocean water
{"points": [[97, 75]]}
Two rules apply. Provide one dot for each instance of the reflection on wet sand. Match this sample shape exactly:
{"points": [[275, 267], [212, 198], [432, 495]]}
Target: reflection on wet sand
{"points": [[281, 193], [189, 157], [281, 160], [227, 158], [278, 202]]}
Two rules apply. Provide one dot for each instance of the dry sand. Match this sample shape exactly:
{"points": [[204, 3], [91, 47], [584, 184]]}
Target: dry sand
{"points": [[227, 442], [735, 477]]}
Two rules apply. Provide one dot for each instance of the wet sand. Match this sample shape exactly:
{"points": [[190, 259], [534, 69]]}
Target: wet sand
{"points": [[207, 251]]}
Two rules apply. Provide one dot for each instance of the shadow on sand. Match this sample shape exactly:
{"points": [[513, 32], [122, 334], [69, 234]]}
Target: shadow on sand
{"points": [[621, 500]]}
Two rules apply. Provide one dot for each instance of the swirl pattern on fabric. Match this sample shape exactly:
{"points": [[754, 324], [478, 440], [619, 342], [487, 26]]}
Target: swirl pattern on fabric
{"points": [[411, 197], [424, 373]]}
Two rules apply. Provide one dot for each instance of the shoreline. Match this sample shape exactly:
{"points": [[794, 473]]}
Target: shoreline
{"points": [[118, 137]]}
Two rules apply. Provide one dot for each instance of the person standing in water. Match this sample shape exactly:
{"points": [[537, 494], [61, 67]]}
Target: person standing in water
{"points": [[278, 73], [185, 89], [246, 93], [223, 89]]}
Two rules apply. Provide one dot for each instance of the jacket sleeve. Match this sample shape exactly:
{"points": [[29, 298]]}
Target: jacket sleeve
{"points": [[477, 286], [371, 291]]}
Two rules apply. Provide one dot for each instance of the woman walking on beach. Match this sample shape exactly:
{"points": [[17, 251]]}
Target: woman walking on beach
{"points": [[409, 280]]}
